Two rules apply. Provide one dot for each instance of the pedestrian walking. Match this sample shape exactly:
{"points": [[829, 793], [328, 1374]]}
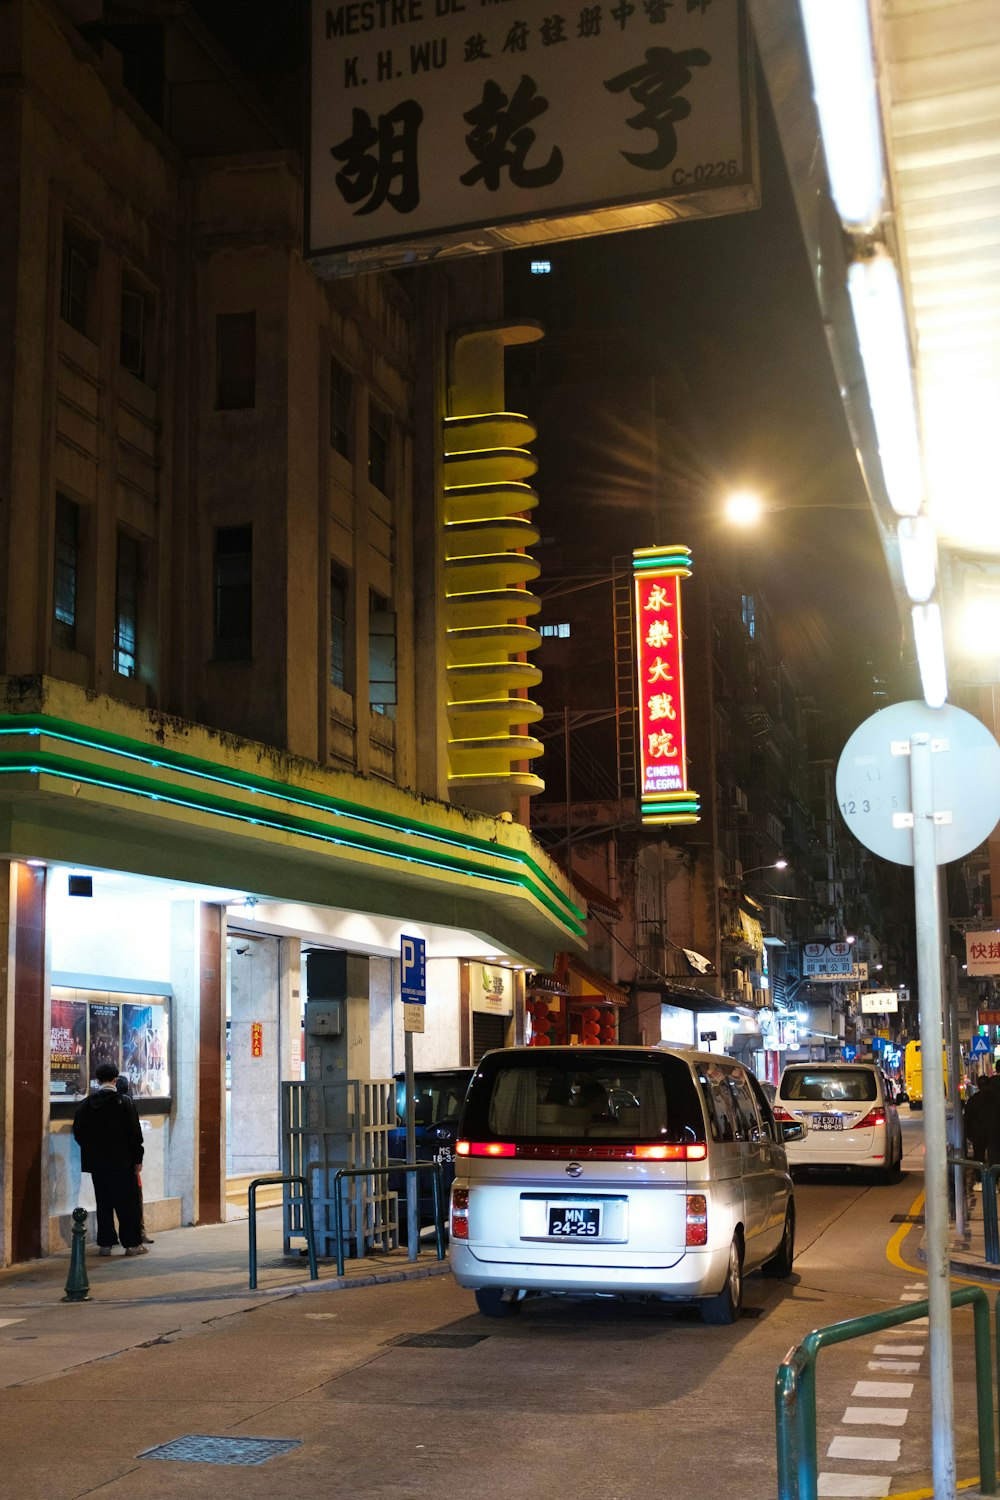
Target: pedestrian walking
{"points": [[982, 1120], [107, 1130], [122, 1085]]}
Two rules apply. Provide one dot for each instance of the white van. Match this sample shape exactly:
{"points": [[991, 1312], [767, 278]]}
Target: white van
{"points": [[637, 1171]]}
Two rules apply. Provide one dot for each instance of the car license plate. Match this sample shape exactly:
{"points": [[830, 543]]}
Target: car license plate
{"points": [[827, 1122], [575, 1222]]}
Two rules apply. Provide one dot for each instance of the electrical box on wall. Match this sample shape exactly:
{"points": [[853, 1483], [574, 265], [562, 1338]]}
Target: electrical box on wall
{"points": [[324, 1018]]}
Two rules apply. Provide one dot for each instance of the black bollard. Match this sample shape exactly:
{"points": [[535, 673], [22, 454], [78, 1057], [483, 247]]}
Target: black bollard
{"points": [[77, 1285]]}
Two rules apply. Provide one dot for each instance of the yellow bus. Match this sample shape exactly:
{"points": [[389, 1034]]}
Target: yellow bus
{"points": [[913, 1074]]}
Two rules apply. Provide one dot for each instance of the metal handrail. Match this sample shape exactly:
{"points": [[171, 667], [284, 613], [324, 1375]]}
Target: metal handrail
{"points": [[418, 1166], [795, 1392], [306, 1202], [991, 1227]]}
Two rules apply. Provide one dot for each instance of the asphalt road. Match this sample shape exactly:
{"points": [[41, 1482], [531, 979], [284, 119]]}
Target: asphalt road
{"points": [[568, 1401]]}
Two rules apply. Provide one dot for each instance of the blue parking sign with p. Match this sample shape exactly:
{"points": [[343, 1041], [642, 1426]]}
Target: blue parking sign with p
{"points": [[413, 970]]}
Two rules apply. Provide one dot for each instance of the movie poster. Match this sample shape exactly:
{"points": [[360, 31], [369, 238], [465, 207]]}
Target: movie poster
{"points": [[68, 1047], [105, 1046], [145, 1050]]}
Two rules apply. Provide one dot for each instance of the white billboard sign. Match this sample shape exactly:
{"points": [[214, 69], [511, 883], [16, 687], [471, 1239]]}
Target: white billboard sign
{"points": [[827, 961], [982, 953], [457, 125], [879, 1002]]}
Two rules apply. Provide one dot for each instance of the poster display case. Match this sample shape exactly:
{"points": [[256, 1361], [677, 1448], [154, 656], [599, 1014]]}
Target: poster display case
{"points": [[90, 1027]]}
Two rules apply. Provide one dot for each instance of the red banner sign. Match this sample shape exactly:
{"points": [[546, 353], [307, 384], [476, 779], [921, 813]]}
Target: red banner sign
{"points": [[664, 793], [256, 1039]]}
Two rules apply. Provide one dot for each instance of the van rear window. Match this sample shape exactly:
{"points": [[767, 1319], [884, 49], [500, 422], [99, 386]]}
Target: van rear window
{"points": [[829, 1085], [598, 1096]]}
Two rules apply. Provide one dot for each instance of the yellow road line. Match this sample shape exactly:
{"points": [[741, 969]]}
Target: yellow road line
{"points": [[962, 1484]]}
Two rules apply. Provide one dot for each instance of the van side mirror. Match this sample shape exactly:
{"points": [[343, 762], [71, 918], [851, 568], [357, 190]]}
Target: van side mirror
{"points": [[792, 1130]]}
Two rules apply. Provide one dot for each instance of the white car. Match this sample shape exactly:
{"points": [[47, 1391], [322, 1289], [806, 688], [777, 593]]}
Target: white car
{"points": [[633, 1171], [849, 1119]]}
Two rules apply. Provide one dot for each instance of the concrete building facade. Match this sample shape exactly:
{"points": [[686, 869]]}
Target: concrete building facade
{"points": [[223, 637]]}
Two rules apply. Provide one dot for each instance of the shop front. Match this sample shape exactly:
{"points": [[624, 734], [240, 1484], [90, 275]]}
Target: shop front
{"points": [[162, 888]]}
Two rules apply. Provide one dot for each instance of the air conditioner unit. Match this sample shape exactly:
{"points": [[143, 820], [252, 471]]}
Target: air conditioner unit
{"points": [[736, 980], [737, 869]]}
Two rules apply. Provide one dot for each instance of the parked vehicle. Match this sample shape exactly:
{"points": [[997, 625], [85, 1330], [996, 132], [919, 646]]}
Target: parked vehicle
{"points": [[849, 1118], [438, 1099], [644, 1172]]}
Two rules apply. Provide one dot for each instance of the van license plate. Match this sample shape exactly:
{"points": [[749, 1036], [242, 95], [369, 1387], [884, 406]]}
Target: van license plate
{"points": [[583, 1223], [827, 1122]]}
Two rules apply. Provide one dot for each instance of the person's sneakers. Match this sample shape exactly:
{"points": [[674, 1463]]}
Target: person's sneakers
{"points": [[105, 1250], [147, 1241], [136, 1250]]}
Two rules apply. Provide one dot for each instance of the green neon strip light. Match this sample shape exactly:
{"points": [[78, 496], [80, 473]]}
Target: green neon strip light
{"points": [[66, 769], [96, 739], [660, 564], [655, 808]]}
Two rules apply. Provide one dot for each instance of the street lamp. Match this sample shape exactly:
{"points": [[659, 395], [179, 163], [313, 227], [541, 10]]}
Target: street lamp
{"points": [[779, 864]]}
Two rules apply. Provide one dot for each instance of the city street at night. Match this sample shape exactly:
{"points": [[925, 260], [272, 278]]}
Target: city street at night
{"points": [[570, 1398]]}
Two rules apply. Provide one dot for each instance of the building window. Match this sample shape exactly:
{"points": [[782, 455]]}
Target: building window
{"points": [[76, 292], [379, 446], [236, 361], [338, 626], [134, 329], [381, 655], [749, 615], [233, 589], [66, 571], [126, 605], [561, 630], [341, 392]]}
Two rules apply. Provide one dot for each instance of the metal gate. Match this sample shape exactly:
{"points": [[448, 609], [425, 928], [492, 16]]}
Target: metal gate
{"points": [[316, 1141]]}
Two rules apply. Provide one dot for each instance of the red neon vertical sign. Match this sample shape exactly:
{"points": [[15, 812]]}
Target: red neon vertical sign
{"points": [[664, 792]]}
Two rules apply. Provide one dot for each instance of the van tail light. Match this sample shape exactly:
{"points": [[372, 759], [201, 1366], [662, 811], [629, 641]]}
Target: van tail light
{"points": [[781, 1114], [530, 1151], [460, 1213], [696, 1220], [874, 1117]]}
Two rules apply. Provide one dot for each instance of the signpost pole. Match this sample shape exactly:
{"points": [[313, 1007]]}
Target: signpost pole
{"points": [[412, 1205], [954, 1086], [929, 966]]}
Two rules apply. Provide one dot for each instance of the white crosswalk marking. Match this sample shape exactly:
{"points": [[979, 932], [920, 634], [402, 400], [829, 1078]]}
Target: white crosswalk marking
{"points": [[894, 1366], [916, 1350], [6, 1322], [894, 1390], [838, 1485], [879, 1450], [876, 1416]]}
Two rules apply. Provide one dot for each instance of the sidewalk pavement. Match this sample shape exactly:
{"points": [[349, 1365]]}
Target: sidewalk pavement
{"points": [[191, 1277], [967, 1252]]}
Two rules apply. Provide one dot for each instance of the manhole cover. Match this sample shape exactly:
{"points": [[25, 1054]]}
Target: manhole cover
{"points": [[222, 1450], [907, 1219], [439, 1340]]}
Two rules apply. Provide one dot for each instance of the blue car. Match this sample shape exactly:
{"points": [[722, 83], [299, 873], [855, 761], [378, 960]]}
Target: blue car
{"points": [[438, 1099]]}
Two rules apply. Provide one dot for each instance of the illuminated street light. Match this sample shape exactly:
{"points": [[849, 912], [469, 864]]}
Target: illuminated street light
{"points": [[779, 864], [744, 508]]}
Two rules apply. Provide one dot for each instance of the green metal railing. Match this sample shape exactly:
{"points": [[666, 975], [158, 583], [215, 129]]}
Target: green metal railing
{"points": [[991, 1229], [304, 1202], [437, 1183], [795, 1391]]}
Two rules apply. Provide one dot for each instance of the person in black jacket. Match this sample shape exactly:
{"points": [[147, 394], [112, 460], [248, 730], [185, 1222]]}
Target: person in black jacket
{"points": [[107, 1130], [982, 1120]]}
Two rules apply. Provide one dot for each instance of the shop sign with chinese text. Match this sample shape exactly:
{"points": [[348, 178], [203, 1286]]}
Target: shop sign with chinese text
{"points": [[256, 1039], [665, 796], [879, 1002], [982, 953], [463, 126], [827, 961]]}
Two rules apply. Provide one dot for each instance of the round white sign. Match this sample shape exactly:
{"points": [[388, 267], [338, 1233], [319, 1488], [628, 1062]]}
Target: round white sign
{"points": [[873, 781]]}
